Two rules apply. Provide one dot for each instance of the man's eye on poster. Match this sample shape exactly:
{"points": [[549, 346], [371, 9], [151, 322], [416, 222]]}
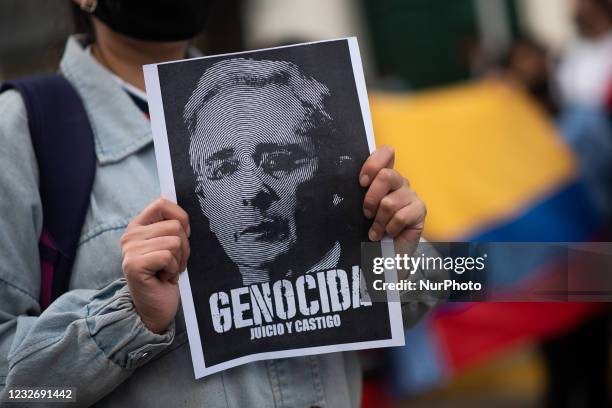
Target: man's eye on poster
{"points": [[263, 150]]}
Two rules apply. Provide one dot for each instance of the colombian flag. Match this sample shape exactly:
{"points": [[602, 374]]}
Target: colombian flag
{"points": [[491, 167]]}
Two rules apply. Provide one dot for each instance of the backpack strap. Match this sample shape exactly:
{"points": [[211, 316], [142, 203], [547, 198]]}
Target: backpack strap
{"points": [[63, 143]]}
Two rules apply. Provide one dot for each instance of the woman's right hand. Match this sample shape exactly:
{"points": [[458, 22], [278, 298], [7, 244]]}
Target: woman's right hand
{"points": [[155, 250]]}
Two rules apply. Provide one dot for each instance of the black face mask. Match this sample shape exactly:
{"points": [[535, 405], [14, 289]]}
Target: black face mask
{"points": [[154, 20]]}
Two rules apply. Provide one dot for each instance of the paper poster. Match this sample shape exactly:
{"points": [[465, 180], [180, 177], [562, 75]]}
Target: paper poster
{"points": [[263, 150]]}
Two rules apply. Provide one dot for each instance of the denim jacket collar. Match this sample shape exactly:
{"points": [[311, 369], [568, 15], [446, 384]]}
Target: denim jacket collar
{"points": [[119, 127]]}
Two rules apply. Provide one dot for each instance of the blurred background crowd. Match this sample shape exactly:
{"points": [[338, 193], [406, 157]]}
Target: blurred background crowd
{"points": [[501, 112]]}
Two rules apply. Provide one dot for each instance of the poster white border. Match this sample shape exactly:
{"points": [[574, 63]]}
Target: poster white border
{"points": [[166, 180]]}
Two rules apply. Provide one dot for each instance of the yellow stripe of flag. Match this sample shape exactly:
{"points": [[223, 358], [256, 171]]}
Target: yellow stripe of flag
{"points": [[476, 154]]}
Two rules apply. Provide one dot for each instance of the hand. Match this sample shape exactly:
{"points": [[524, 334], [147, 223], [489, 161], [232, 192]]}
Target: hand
{"points": [[394, 206], [155, 250]]}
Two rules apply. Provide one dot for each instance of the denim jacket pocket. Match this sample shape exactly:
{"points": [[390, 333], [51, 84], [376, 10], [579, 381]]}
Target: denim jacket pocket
{"points": [[98, 260]]}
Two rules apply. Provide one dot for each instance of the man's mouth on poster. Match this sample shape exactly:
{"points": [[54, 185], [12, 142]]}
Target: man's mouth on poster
{"points": [[268, 230]]}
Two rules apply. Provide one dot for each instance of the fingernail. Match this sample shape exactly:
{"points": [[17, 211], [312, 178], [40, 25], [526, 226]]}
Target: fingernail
{"points": [[372, 235], [368, 214], [364, 180]]}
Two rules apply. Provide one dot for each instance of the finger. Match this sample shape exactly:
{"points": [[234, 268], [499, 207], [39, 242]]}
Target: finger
{"points": [[409, 235], [172, 243], [159, 229], [162, 209], [410, 217], [389, 205], [136, 233], [151, 263], [166, 276], [186, 254], [386, 180], [383, 157], [170, 228], [171, 267]]}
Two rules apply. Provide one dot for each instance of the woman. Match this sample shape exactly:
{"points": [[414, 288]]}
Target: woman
{"points": [[114, 336]]}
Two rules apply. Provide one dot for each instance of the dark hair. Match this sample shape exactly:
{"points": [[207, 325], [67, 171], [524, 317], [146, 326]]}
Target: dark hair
{"points": [[606, 5], [81, 20], [521, 41]]}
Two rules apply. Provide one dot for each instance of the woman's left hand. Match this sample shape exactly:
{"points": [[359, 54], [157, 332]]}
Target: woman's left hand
{"points": [[390, 202]]}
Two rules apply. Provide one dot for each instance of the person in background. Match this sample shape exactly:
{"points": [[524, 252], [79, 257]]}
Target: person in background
{"points": [[584, 81], [583, 125], [584, 74], [115, 336], [527, 65], [576, 362]]}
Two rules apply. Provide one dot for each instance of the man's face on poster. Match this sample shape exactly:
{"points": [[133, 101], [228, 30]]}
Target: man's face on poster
{"points": [[254, 155]]}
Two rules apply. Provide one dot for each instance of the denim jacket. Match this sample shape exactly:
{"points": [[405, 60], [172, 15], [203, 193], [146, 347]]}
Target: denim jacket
{"points": [[91, 338]]}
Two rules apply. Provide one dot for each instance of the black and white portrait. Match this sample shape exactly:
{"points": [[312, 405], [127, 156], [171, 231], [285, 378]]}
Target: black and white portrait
{"points": [[265, 150], [270, 166]]}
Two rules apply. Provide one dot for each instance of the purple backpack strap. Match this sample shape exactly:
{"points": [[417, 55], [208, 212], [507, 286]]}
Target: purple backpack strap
{"points": [[63, 143]]}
